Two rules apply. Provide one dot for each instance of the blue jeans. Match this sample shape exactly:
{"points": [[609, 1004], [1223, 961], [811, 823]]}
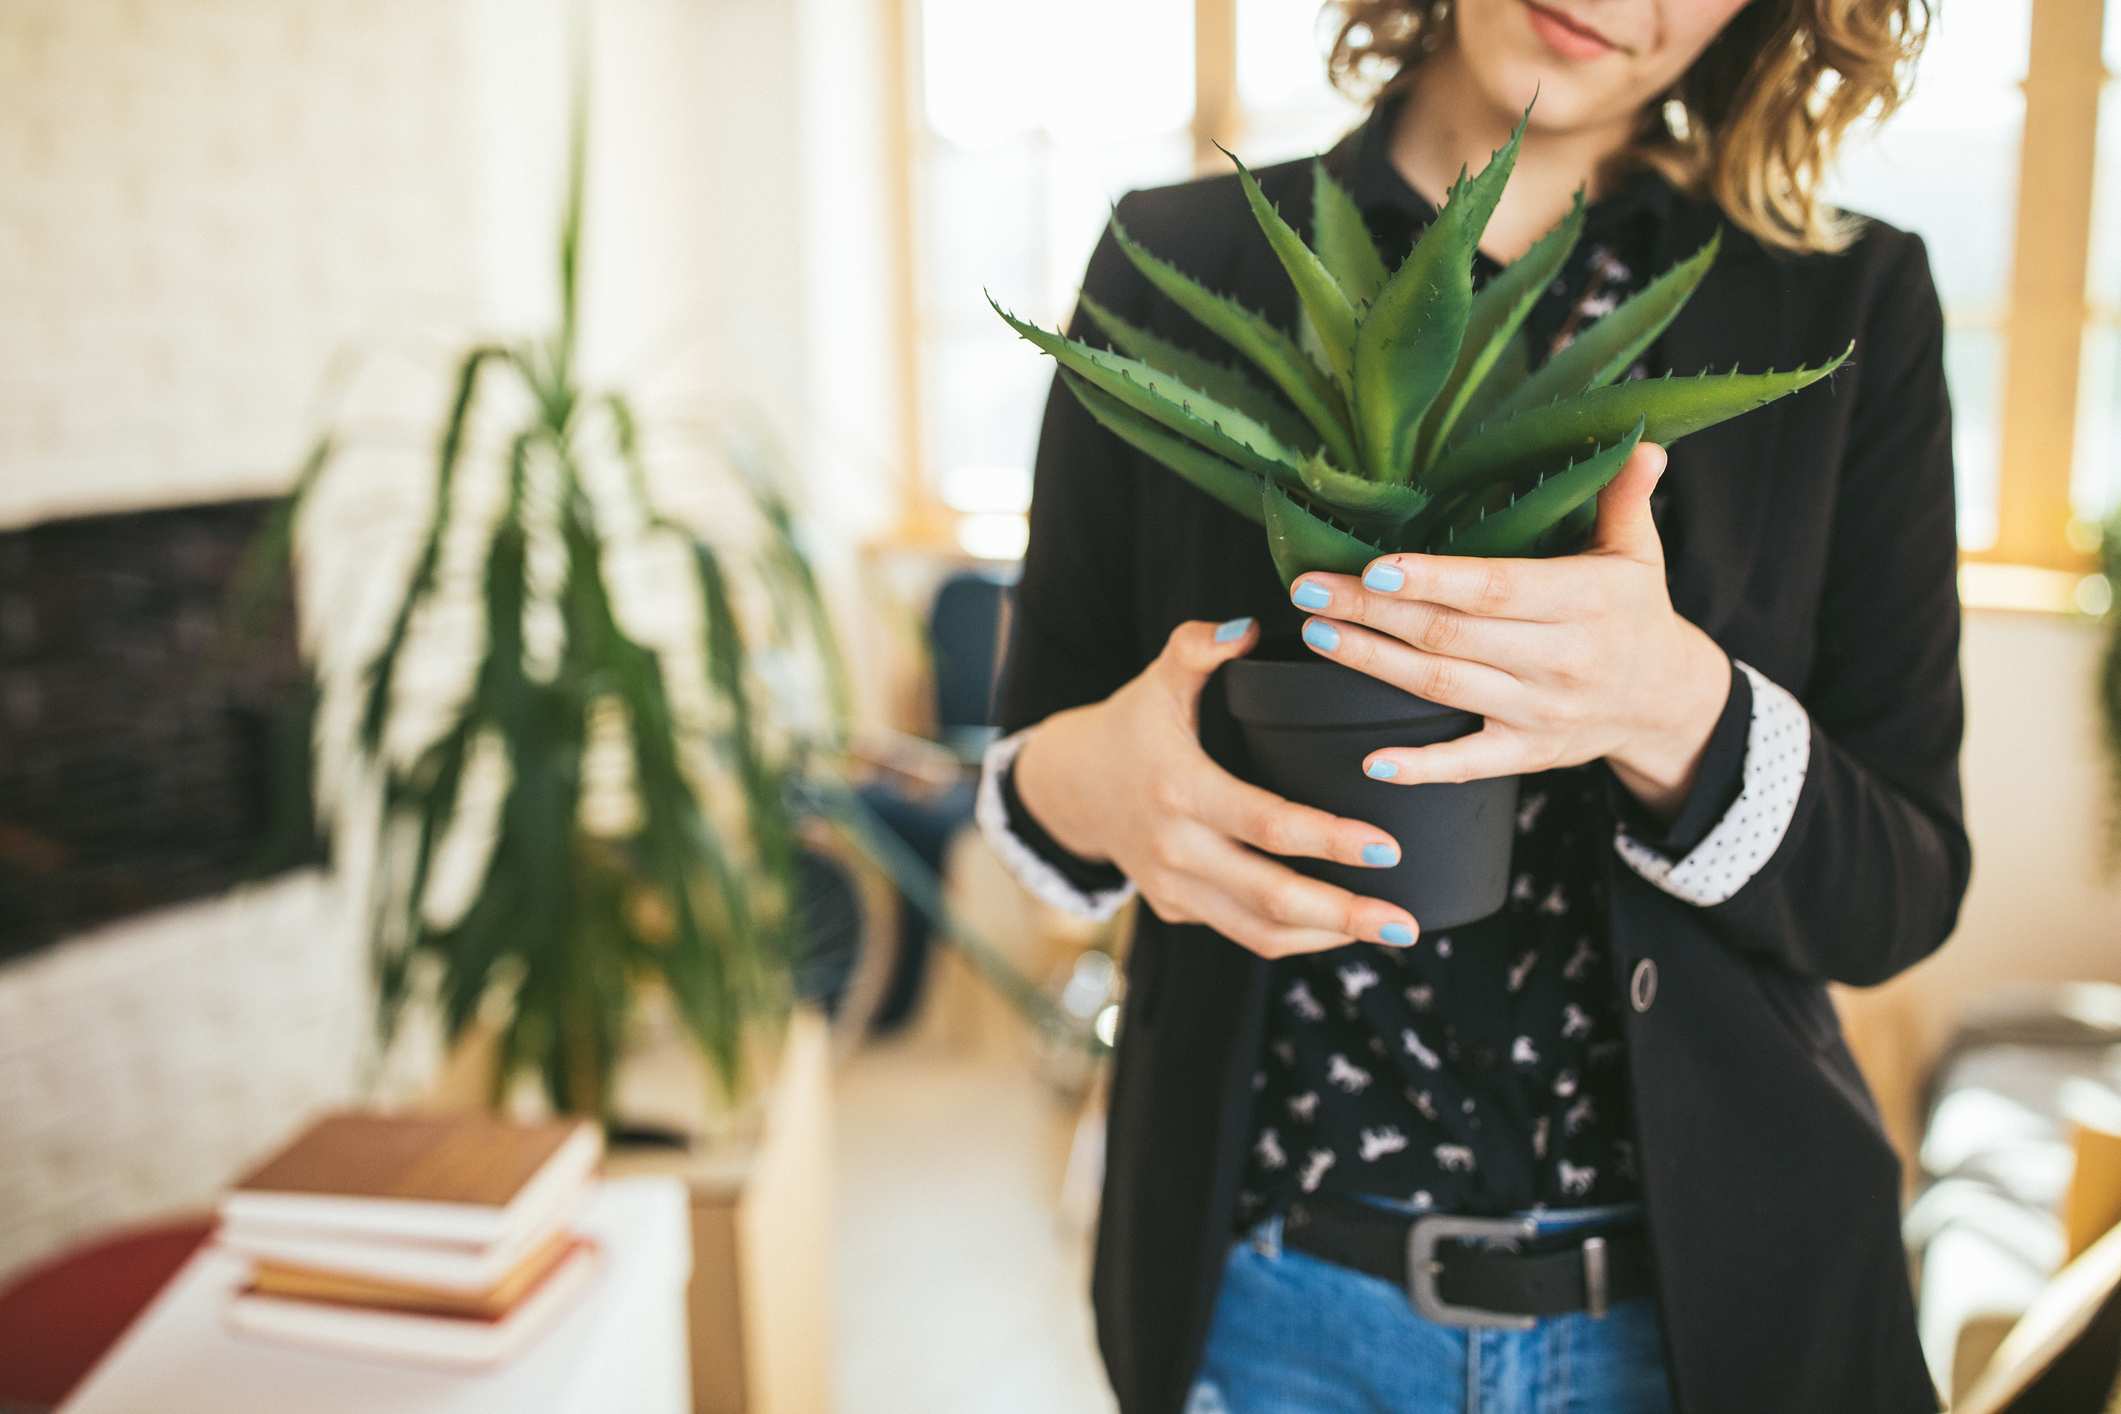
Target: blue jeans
{"points": [[1295, 1334]]}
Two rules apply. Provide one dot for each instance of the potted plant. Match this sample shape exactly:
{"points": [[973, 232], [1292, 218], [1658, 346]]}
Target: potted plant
{"points": [[1407, 420], [688, 880]]}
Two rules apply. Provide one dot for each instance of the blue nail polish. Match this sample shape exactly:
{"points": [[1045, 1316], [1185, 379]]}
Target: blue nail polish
{"points": [[1233, 630], [1381, 770], [1311, 595], [1399, 935], [1385, 579], [1380, 856], [1322, 635]]}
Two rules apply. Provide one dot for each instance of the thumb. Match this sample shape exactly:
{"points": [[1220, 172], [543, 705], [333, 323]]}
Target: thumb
{"points": [[1197, 648], [1625, 526]]}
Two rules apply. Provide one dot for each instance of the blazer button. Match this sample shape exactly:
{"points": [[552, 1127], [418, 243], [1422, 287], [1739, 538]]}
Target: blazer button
{"points": [[1642, 987]]}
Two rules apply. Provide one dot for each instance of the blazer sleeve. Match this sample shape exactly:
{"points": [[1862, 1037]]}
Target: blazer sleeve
{"points": [[1869, 872], [1073, 636]]}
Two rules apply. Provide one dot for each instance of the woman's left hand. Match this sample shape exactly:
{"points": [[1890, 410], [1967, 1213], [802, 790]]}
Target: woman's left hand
{"points": [[1569, 659]]}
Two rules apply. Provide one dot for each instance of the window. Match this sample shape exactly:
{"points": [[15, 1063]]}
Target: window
{"points": [[1946, 167], [2096, 484], [1031, 120]]}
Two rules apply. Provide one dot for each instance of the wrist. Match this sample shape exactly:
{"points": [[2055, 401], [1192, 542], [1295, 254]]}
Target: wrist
{"points": [[1660, 763], [1041, 785]]}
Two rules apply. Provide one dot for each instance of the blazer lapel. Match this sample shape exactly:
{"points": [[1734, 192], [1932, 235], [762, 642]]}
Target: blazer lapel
{"points": [[1717, 488]]}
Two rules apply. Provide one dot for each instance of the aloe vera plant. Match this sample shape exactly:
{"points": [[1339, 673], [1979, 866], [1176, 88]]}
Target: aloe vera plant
{"points": [[1411, 421]]}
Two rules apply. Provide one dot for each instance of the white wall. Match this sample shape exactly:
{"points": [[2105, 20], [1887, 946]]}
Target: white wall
{"points": [[208, 205], [162, 334]]}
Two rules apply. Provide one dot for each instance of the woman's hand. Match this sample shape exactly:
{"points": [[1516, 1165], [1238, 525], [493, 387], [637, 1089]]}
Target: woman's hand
{"points": [[1569, 659], [1126, 780]]}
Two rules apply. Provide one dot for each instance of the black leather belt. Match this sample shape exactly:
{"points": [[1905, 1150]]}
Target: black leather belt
{"points": [[1476, 1271]]}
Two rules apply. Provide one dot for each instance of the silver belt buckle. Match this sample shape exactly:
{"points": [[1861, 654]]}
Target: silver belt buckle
{"points": [[1422, 1267]]}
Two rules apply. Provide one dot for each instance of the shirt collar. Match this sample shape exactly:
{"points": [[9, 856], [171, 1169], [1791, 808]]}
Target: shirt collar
{"points": [[1377, 186]]}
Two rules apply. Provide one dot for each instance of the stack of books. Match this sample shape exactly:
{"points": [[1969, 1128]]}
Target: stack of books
{"points": [[437, 1241]]}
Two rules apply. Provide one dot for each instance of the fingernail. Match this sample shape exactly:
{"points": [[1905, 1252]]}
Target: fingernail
{"points": [[1383, 578], [1322, 635], [1399, 935], [1233, 630], [1381, 770], [1380, 856], [1311, 595]]}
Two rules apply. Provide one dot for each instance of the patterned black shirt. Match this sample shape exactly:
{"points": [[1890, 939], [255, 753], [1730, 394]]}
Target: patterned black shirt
{"points": [[1483, 1070]]}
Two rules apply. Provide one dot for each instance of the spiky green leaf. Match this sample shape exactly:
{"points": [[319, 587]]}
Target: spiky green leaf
{"points": [[1517, 529], [1329, 306], [1507, 448], [1610, 347], [1189, 412], [1343, 241], [1277, 355], [1375, 507], [1233, 486], [1300, 542], [1498, 313], [1512, 367], [1218, 380], [1408, 342]]}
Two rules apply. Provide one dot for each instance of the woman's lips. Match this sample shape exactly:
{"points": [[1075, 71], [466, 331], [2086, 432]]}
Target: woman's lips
{"points": [[1566, 37]]}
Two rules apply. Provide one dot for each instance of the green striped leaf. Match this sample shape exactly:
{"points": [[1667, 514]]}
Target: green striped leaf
{"points": [[1332, 313], [1216, 426], [1275, 354], [1343, 241], [1218, 380], [1375, 507], [1300, 542], [1233, 486], [1516, 529], [1408, 341], [1498, 312], [1610, 347], [1507, 448]]}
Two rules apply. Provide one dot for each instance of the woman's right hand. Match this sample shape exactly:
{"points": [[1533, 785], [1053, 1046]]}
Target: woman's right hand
{"points": [[1126, 780]]}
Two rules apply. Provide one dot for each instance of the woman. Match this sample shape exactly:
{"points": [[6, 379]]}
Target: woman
{"points": [[1604, 1150]]}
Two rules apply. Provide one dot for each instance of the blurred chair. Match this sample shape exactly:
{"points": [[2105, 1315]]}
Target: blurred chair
{"points": [[57, 1320], [923, 801], [2005, 1201], [968, 630]]}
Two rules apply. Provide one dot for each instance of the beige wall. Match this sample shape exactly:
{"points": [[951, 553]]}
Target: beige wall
{"points": [[2042, 905]]}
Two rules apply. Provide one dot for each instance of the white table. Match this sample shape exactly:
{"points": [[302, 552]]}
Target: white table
{"points": [[621, 1347]]}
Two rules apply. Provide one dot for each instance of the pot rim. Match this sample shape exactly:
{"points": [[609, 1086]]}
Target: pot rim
{"points": [[1309, 696]]}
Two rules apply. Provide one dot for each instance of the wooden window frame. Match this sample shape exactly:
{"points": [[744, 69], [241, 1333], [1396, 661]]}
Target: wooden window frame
{"points": [[2033, 562]]}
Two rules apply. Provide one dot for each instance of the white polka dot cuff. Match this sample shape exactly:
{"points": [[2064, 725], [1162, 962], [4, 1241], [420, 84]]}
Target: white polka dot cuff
{"points": [[1045, 882], [1778, 752]]}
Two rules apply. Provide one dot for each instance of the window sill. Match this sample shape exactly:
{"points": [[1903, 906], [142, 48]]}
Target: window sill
{"points": [[2029, 589]]}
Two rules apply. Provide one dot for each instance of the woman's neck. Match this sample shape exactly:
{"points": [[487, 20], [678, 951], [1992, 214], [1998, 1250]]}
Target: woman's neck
{"points": [[1449, 122]]}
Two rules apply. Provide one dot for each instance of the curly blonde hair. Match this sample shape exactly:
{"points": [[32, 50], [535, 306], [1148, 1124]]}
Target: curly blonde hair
{"points": [[1753, 125]]}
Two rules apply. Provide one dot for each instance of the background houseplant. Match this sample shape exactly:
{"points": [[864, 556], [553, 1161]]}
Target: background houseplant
{"points": [[630, 798], [1405, 418]]}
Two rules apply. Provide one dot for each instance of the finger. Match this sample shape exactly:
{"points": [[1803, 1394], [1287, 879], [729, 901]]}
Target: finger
{"points": [[1197, 648], [1273, 904], [1380, 601], [1196, 901], [1227, 806], [1436, 677], [1625, 525], [1487, 753], [1532, 590]]}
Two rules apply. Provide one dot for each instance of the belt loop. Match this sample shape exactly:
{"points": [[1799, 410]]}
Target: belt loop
{"points": [[1594, 1278]]}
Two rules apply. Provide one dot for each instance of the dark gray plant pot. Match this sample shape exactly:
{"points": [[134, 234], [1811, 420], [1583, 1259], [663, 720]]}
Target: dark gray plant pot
{"points": [[1307, 728]]}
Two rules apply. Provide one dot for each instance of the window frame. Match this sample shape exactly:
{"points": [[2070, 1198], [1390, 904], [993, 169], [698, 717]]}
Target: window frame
{"points": [[2040, 555]]}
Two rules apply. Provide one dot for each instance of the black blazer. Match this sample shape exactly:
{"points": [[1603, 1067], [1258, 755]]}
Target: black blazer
{"points": [[1814, 539]]}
